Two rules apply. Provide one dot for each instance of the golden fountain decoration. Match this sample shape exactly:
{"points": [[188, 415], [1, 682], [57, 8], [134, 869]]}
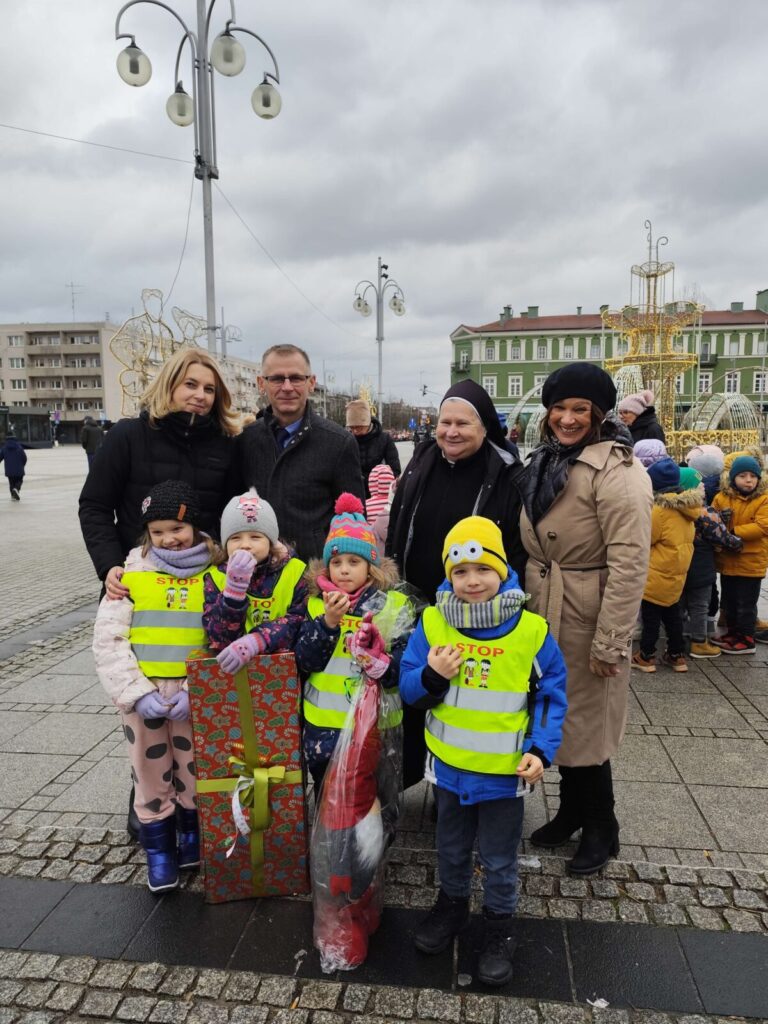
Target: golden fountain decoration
{"points": [[656, 358]]}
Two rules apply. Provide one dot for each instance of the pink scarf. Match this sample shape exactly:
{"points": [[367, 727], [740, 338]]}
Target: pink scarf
{"points": [[328, 587]]}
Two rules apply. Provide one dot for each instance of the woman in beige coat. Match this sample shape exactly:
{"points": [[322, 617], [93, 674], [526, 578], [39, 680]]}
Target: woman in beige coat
{"points": [[586, 527]]}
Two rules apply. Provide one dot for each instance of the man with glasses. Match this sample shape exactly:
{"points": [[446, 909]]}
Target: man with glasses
{"points": [[297, 460]]}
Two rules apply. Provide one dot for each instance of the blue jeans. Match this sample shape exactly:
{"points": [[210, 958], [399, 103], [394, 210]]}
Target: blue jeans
{"points": [[498, 825]]}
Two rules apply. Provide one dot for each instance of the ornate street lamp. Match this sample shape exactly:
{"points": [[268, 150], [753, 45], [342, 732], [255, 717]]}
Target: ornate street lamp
{"points": [[227, 55], [362, 306]]}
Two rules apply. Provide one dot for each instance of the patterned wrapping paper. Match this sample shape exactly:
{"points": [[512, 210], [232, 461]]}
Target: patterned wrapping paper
{"points": [[247, 731]]}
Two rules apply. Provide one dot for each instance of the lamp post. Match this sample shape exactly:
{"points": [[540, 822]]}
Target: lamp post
{"points": [[396, 304], [227, 55]]}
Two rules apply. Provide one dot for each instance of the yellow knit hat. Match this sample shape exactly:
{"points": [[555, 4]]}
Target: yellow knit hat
{"points": [[477, 540]]}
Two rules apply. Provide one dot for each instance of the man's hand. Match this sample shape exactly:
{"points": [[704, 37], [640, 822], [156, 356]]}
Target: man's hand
{"points": [[336, 606], [446, 661], [531, 768]]}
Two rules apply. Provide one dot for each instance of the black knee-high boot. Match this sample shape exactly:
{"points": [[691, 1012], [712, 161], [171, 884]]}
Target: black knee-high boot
{"points": [[559, 830], [599, 828]]}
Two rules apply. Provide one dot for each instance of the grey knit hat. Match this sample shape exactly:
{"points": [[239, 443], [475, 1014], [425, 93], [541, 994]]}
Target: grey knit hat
{"points": [[248, 513]]}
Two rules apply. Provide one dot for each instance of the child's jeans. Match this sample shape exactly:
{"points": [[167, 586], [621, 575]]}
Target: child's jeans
{"points": [[696, 600], [498, 825], [653, 615], [740, 595]]}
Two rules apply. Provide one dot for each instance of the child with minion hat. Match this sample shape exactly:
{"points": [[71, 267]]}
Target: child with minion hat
{"points": [[489, 734]]}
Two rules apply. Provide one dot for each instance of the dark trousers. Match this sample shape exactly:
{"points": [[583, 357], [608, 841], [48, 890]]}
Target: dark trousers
{"points": [[653, 615], [696, 601], [15, 482], [740, 595]]}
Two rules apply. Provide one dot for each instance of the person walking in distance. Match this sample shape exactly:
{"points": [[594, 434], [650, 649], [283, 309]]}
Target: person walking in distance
{"points": [[14, 457]]}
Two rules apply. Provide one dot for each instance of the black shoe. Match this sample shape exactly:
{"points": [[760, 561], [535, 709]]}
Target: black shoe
{"points": [[556, 832], [494, 965], [597, 845], [447, 918], [133, 825], [15, 494]]}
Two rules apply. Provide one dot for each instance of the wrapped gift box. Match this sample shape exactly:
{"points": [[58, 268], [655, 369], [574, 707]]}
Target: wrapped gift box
{"points": [[247, 737]]}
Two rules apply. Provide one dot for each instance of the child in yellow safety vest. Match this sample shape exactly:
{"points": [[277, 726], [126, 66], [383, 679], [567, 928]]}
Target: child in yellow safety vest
{"points": [[140, 646], [255, 602], [492, 680], [352, 579]]}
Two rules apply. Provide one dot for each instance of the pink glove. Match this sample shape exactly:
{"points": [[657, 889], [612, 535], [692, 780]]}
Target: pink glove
{"points": [[179, 707], [240, 652], [368, 649], [239, 571], [151, 705]]}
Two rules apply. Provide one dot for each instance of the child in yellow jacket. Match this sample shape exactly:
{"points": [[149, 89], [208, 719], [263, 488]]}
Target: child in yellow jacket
{"points": [[743, 503]]}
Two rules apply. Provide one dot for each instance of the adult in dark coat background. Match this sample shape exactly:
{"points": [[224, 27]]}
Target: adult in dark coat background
{"points": [[375, 445], [638, 414], [467, 469], [14, 457], [298, 461], [91, 437]]}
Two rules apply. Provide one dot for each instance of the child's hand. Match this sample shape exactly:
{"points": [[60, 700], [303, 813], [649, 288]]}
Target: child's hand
{"points": [[151, 705], [531, 768], [240, 652], [368, 649], [179, 707], [336, 605], [239, 571], [446, 661]]}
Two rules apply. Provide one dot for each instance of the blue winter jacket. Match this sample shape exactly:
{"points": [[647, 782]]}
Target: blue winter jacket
{"points": [[424, 688]]}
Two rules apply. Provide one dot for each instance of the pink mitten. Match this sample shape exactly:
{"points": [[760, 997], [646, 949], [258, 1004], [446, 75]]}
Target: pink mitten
{"points": [[368, 649], [239, 571], [240, 652]]}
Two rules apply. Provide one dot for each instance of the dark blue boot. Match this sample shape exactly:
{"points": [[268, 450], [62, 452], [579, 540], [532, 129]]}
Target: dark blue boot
{"points": [[189, 838], [159, 841]]}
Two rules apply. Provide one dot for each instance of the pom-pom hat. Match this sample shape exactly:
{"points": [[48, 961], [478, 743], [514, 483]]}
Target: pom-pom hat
{"points": [[349, 533], [475, 540], [172, 499], [744, 464], [636, 403], [580, 380], [665, 475], [248, 513]]}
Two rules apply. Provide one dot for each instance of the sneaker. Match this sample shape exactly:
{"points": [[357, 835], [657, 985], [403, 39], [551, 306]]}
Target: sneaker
{"points": [[15, 494], [644, 664], [761, 636], [761, 625], [739, 645], [721, 641], [676, 662], [705, 650]]}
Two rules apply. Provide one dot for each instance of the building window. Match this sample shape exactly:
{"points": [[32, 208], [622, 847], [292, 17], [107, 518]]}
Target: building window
{"points": [[732, 382], [18, 385], [541, 350], [760, 346], [678, 345], [17, 362], [19, 405], [567, 350], [514, 350], [705, 382], [760, 382], [490, 351], [539, 379], [594, 349], [705, 348], [16, 340], [489, 383], [514, 385], [733, 347], [463, 360]]}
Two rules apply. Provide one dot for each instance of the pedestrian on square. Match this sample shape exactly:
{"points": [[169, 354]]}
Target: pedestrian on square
{"points": [[14, 458], [297, 460], [586, 525], [91, 437], [255, 602], [375, 445], [140, 645], [492, 681], [638, 414]]}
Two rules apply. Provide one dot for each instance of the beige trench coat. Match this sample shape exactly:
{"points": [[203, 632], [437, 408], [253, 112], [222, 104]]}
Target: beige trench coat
{"points": [[587, 566]]}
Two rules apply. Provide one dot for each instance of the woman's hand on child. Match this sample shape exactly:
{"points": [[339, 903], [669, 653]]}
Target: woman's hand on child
{"points": [[446, 661], [179, 710], [336, 606], [114, 588], [368, 649], [531, 768], [151, 705], [240, 652], [239, 571]]}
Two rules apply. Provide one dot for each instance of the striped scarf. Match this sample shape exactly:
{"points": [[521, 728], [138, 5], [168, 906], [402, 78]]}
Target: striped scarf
{"points": [[483, 615]]}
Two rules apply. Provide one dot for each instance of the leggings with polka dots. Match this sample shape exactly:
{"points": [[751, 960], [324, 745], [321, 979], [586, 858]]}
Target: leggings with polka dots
{"points": [[162, 760]]}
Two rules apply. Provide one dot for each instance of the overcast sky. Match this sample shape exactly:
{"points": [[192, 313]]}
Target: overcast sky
{"points": [[493, 152]]}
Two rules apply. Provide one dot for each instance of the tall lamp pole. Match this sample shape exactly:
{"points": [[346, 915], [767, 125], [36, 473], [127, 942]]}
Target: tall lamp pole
{"points": [[227, 55], [396, 304]]}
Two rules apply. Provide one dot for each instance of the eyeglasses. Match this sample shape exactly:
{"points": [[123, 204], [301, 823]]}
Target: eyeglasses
{"points": [[294, 379]]}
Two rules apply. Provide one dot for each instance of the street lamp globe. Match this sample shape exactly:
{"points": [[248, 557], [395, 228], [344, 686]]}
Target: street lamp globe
{"points": [[397, 305], [357, 305], [227, 55], [266, 100], [133, 66], [366, 310], [180, 108]]}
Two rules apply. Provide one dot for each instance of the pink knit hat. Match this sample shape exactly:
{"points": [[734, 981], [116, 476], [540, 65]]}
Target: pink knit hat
{"points": [[349, 533], [636, 403]]}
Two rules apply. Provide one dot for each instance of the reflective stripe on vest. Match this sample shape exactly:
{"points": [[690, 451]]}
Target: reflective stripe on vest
{"points": [[266, 609], [167, 621], [328, 694], [481, 723]]}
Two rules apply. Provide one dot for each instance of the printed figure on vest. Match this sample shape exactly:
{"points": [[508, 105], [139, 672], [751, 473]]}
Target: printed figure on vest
{"points": [[297, 460]]}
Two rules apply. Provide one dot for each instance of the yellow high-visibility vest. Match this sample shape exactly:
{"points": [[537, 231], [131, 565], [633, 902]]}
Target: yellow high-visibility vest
{"points": [[328, 694], [266, 609], [482, 721], [167, 621]]}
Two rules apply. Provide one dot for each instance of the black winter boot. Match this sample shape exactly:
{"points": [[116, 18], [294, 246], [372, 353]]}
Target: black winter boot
{"points": [[188, 833], [446, 918], [133, 825], [600, 830], [559, 830], [494, 965]]}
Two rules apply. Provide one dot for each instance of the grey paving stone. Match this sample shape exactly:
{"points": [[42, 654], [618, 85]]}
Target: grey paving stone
{"points": [[35, 993], [291, 1017], [679, 875], [632, 912], [9, 990], [277, 991], [248, 1015], [65, 997], [532, 906], [745, 760], [711, 896], [749, 880], [111, 975], [742, 920], [643, 759], [57, 870], [675, 821], [24, 774], [208, 1013], [668, 914], [703, 918], [241, 987], [598, 910], [682, 895], [60, 734], [356, 998], [37, 965], [320, 996], [167, 1011], [605, 888], [93, 790], [123, 873], [647, 872], [85, 872], [738, 817], [561, 1013], [147, 977], [136, 1008], [11, 963], [515, 1011], [540, 885], [609, 1015], [574, 888], [432, 1004], [100, 1004], [640, 891], [715, 876], [210, 984], [617, 869], [567, 910], [480, 1009], [395, 1002]]}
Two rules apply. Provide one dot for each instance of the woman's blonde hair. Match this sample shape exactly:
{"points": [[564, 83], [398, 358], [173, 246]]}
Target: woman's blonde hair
{"points": [[198, 537], [158, 397]]}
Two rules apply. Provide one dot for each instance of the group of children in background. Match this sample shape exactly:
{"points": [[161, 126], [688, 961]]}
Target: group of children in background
{"points": [[709, 516], [253, 596]]}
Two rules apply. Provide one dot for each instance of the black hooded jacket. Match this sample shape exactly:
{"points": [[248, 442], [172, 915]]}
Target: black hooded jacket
{"points": [[646, 427], [376, 447]]}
